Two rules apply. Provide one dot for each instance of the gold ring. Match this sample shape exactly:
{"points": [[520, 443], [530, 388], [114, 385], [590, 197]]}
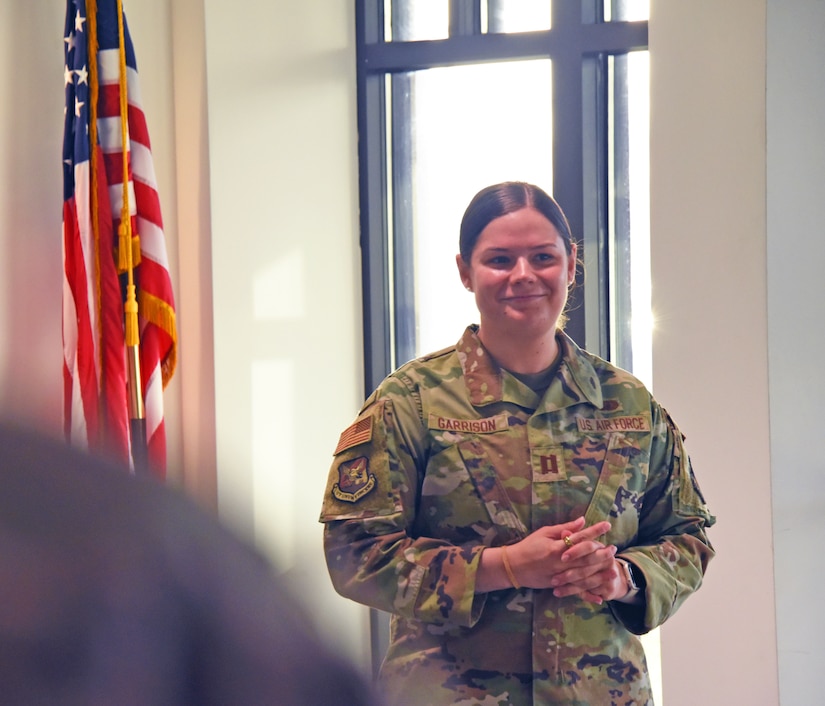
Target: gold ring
{"points": [[568, 541]]}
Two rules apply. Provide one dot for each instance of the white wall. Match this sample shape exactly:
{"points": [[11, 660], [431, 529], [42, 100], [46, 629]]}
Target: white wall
{"points": [[708, 241], [796, 318], [251, 110], [286, 285]]}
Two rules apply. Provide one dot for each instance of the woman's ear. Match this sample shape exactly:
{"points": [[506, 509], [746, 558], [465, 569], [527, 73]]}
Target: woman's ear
{"points": [[464, 272], [571, 264]]}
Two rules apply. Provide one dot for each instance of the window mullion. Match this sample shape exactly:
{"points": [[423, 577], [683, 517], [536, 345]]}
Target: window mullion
{"points": [[567, 166], [465, 17], [373, 217]]}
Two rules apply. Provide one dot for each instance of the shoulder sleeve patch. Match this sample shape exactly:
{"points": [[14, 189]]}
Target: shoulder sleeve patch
{"points": [[358, 433], [354, 480]]}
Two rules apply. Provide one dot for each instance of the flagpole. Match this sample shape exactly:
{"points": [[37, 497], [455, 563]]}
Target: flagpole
{"points": [[94, 92], [127, 248]]}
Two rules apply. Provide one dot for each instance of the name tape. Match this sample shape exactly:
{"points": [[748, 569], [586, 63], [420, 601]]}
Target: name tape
{"points": [[473, 426]]}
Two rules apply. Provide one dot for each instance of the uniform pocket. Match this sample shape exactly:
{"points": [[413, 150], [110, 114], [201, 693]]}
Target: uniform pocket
{"points": [[616, 497], [489, 484]]}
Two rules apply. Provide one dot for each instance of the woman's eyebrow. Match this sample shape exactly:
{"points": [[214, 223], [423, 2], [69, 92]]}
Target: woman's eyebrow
{"points": [[503, 248]]}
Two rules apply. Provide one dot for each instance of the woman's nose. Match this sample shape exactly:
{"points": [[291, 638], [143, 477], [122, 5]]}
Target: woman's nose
{"points": [[522, 270]]}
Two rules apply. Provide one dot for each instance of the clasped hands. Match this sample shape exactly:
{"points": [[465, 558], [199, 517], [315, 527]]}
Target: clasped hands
{"points": [[567, 558]]}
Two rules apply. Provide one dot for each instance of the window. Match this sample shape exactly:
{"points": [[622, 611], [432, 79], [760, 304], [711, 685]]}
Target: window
{"points": [[454, 95]]}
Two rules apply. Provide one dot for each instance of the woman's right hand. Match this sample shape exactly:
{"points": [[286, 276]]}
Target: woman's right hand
{"points": [[540, 556]]}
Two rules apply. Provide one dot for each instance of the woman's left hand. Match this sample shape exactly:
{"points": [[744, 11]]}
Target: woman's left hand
{"points": [[592, 583]]}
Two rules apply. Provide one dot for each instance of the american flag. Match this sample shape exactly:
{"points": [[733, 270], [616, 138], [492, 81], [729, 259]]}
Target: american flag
{"points": [[96, 402]]}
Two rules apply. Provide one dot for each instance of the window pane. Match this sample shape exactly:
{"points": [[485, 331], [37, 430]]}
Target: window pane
{"points": [[505, 16], [626, 10], [469, 126], [629, 185], [638, 75], [413, 20]]}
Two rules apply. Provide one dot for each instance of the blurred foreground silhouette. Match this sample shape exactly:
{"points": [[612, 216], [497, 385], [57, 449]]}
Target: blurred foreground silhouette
{"points": [[118, 590]]}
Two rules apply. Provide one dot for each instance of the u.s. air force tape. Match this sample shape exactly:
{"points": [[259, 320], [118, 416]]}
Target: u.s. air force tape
{"points": [[638, 422]]}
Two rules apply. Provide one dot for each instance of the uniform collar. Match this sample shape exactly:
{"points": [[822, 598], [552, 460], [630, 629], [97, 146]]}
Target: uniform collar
{"points": [[575, 382]]}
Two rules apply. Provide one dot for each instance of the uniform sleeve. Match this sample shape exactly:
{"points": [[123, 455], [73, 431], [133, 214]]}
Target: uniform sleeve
{"points": [[372, 553], [672, 549]]}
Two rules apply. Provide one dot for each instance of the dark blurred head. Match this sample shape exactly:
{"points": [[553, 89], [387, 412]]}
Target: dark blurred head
{"points": [[118, 590]]}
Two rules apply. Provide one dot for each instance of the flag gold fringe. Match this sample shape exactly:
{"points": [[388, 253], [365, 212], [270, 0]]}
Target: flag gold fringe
{"points": [[159, 313]]}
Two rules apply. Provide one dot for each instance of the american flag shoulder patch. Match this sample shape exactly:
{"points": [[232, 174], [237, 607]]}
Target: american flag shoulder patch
{"points": [[358, 433]]}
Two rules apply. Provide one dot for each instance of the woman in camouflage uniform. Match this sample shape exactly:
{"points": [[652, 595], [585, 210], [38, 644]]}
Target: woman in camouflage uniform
{"points": [[522, 508]]}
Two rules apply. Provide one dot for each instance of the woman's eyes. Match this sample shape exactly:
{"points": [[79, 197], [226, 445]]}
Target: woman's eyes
{"points": [[541, 259]]}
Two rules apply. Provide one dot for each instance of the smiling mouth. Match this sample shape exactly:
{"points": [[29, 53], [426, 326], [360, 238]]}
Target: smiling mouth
{"points": [[524, 298]]}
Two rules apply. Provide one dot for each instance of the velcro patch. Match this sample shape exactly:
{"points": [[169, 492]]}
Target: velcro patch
{"points": [[638, 422], [488, 425], [548, 464], [358, 433], [354, 480]]}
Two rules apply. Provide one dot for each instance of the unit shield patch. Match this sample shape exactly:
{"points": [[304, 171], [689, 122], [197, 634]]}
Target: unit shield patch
{"points": [[354, 480]]}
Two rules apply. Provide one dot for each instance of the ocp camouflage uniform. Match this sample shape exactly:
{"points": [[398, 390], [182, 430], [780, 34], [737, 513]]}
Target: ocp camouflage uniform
{"points": [[451, 455]]}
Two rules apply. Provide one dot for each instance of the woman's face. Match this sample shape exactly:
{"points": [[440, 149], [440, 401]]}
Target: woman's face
{"points": [[520, 273]]}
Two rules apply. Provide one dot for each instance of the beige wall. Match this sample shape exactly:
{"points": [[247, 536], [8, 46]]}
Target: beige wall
{"points": [[709, 235], [31, 127]]}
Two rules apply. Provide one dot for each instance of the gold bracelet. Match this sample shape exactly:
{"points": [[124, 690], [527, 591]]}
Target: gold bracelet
{"points": [[507, 568]]}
